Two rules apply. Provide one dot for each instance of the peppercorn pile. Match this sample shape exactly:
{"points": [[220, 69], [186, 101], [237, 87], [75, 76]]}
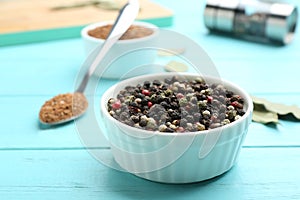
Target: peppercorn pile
{"points": [[175, 105]]}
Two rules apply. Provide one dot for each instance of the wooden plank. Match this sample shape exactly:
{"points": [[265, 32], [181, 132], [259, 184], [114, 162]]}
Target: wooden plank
{"points": [[21, 128], [51, 171], [20, 15], [266, 77], [55, 66], [34, 73], [23, 111], [23, 21], [261, 173]]}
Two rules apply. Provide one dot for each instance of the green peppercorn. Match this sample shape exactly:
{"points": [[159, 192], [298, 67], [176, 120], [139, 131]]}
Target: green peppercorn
{"points": [[176, 122], [230, 107], [175, 89], [199, 80], [183, 102], [200, 127], [162, 128], [231, 114], [202, 104], [206, 113], [172, 126], [237, 117], [168, 92], [226, 121], [112, 113], [111, 101], [151, 123]]}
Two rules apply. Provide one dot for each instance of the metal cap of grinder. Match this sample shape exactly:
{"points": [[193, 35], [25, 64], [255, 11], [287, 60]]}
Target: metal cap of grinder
{"points": [[252, 19], [281, 23], [219, 15]]}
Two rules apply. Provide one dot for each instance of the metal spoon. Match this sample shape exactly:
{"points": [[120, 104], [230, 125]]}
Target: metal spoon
{"points": [[78, 101]]}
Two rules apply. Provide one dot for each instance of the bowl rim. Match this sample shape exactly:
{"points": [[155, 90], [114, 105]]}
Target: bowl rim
{"points": [[85, 35], [159, 76]]}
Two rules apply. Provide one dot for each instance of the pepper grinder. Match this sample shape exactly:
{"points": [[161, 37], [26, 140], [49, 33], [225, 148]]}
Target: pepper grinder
{"points": [[252, 19]]}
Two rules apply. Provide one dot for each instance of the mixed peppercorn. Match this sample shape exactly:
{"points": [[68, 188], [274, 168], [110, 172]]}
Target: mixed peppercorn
{"points": [[175, 105]]}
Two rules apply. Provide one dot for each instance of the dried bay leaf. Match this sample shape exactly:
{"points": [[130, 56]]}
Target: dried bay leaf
{"points": [[280, 109], [175, 66], [265, 117], [170, 52], [262, 115]]}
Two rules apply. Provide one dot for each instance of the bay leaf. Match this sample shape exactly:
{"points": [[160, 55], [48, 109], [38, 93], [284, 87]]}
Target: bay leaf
{"points": [[265, 117], [175, 66], [280, 109], [170, 52]]}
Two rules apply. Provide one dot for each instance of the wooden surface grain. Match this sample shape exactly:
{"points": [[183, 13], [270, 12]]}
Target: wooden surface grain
{"points": [[29, 21], [54, 163], [32, 15], [74, 174]]}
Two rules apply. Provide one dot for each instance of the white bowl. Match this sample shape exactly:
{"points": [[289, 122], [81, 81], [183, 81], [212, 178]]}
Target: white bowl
{"points": [[176, 157], [127, 57]]}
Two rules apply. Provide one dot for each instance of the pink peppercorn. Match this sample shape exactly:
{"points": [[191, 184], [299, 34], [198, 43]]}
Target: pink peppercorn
{"points": [[209, 99], [116, 105], [188, 107], [145, 92], [237, 104], [149, 104], [213, 118], [180, 129], [179, 96]]}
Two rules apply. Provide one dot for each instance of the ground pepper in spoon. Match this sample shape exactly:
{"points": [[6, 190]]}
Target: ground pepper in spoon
{"points": [[66, 107], [63, 107]]}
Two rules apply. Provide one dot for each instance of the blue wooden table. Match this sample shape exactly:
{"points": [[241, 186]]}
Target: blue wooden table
{"points": [[54, 164]]}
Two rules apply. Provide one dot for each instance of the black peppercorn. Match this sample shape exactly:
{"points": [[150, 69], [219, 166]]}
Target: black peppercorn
{"points": [[135, 118], [165, 105], [190, 118], [156, 82], [197, 116], [146, 84], [143, 122]]}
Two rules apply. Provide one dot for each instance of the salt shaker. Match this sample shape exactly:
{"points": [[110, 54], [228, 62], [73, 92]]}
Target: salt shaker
{"points": [[252, 19]]}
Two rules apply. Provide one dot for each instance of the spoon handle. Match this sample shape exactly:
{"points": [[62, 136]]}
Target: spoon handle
{"points": [[125, 18]]}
